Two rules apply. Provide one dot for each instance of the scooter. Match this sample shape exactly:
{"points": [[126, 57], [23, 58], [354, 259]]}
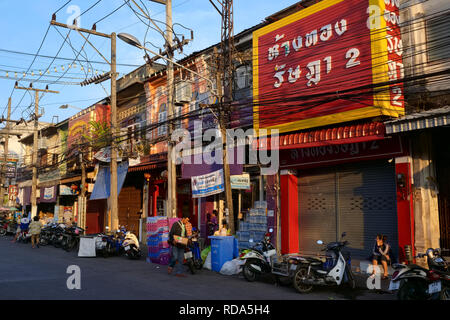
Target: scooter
{"points": [[194, 247], [131, 246], [414, 282], [334, 270], [258, 260], [24, 237]]}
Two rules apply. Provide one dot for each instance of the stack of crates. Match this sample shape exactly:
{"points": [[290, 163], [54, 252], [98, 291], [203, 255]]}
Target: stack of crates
{"points": [[253, 229]]}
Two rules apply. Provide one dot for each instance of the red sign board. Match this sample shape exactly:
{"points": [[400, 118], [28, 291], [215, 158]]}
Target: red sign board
{"points": [[343, 153], [310, 66]]}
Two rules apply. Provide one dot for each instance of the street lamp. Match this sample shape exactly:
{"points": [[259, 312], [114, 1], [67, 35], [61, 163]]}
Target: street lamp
{"points": [[65, 106], [132, 40]]}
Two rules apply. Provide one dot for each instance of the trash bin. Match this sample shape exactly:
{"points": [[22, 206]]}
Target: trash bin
{"points": [[223, 249]]}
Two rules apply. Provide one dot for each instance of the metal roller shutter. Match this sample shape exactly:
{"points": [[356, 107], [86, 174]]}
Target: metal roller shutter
{"points": [[361, 199], [317, 211]]}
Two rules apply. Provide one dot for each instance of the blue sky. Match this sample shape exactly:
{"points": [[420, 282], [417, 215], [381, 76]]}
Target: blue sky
{"points": [[25, 22]]}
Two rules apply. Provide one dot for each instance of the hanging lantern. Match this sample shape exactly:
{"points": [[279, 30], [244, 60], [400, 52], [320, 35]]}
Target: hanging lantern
{"points": [[147, 176]]}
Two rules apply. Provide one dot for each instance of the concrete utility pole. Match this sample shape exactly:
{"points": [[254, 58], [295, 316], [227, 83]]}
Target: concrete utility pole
{"points": [[35, 144], [171, 168], [225, 69], [114, 197], [6, 151]]}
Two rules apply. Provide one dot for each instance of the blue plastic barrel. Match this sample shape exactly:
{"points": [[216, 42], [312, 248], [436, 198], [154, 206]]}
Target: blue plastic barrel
{"points": [[223, 249]]}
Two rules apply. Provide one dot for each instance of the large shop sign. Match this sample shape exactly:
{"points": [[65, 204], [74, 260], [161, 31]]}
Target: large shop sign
{"points": [[329, 63], [342, 153], [208, 184]]}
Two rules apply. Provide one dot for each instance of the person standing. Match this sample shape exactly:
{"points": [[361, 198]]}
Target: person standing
{"points": [[178, 229], [35, 231], [23, 226], [213, 226]]}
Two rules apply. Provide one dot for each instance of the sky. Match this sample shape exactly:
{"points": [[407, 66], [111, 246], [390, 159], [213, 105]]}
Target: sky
{"points": [[25, 22]]}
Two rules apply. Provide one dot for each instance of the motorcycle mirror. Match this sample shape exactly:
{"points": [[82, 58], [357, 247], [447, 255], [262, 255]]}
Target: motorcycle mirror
{"points": [[319, 242]]}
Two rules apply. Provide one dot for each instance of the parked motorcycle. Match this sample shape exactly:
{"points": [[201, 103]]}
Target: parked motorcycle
{"points": [[8, 227], [58, 235], [48, 233], [194, 247], [334, 269], [71, 238], [259, 259], [131, 246], [414, 282]]}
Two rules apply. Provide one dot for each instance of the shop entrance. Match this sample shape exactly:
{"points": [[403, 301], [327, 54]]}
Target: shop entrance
{"points": [[130, 205], [95, 214], [443, 176], [357, 199]]}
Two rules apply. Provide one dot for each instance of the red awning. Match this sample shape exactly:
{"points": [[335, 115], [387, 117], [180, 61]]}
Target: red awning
{"points": [[143, 168], [324, 137]]}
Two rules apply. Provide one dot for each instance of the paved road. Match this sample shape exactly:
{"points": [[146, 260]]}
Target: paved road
{"points": [[27, 273]]}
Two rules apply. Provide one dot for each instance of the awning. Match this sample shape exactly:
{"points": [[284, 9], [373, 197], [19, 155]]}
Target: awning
{"points": [[69, 180], [143, 168], [325, 137], [420, 120], [24, 184]]}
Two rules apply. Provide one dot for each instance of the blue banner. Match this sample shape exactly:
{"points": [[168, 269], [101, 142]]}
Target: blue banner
{"points": [[102, 187]]}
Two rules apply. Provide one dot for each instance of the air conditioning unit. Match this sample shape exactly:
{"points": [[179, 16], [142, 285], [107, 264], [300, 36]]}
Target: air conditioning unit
{"points": [[183, 92]]}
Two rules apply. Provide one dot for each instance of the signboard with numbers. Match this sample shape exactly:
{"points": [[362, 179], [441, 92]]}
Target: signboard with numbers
{"points": [[329, 63]]}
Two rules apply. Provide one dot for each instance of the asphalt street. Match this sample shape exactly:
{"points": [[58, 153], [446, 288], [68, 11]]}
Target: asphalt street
{"points": [[41, 273]]}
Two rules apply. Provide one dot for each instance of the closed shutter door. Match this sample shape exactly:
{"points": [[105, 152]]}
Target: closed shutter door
{"points": [[357, 199], [317, 210], [130, 203], [367, 205]]}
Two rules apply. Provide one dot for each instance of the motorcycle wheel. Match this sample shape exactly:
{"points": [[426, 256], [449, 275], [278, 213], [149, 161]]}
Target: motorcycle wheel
{"points": [[198, 264], [412, 290], [249, 275], [43, 241], [2, 232], [445, 293], [300, 274], [351, 283], [190, 264]]}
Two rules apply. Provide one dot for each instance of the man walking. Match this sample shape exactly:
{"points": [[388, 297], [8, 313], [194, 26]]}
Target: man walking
{"points": [[176, 236]]}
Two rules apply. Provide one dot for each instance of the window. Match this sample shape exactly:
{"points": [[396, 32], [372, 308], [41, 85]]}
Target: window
{"points": [[162, 118], [242, 80], [438, 41]]}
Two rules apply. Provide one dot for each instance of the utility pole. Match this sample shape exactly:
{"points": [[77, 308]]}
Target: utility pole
{"points": [[225, 78], [82, 217], [6, 152], [113, 76], [171, 168], [35, 144]]}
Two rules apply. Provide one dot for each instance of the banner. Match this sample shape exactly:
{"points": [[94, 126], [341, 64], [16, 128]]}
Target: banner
{"points": [[241, 182], [102, 186], [208, 184]]}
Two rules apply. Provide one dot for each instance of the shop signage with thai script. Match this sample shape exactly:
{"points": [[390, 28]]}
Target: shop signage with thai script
{"points": [[208, 184], [342, 153], [319, 65], [241, 182]]}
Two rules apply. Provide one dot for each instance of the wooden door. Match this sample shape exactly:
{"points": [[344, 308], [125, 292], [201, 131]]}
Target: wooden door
{"points": [[130, 204]]}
